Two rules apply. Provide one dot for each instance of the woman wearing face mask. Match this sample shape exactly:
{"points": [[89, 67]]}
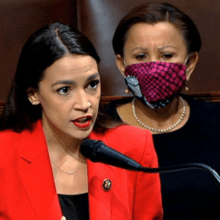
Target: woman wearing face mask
{"points": [[157, 48], [52, 106]]}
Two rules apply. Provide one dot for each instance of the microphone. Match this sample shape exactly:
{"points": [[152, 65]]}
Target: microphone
{"points": [[97, 151]]}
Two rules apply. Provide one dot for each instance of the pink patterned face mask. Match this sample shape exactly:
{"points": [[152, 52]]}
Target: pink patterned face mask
{"points": [[155, 83]]}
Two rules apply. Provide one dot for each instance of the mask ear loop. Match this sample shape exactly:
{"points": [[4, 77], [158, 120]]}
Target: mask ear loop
{"points": [[124, 62], [186, 87], [186, 60], [127, 90]]}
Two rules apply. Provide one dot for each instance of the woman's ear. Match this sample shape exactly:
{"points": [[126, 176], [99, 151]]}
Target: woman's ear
{"points": [[191, 64], [120, 63], [33, 96]]}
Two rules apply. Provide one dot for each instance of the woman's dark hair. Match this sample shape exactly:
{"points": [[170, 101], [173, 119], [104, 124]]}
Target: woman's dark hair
{"points": [[41, 50], [152, 13]]}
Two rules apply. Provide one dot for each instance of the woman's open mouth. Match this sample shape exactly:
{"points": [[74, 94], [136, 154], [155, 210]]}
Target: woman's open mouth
{"points": [[82, 122]]}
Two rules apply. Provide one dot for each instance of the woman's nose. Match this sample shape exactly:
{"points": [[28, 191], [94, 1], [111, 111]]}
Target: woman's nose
{"points": [[153, 59], [82, 102]]}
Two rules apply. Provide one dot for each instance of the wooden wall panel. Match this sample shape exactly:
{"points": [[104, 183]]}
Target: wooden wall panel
{"points": [[98, 19], [19, 19]]}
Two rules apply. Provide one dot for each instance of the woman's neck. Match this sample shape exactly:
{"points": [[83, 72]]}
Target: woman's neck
{"points": [[168, 118], [68, 165], [163, 118], [59, 143], [160, 115]]}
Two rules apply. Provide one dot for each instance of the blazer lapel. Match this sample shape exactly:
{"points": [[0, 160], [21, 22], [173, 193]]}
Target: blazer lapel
{"points": [[36, 174], [100, 199], [100, 195]]}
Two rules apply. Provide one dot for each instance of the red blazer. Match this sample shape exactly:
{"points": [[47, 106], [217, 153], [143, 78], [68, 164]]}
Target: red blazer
{"points": [[27, 189]]}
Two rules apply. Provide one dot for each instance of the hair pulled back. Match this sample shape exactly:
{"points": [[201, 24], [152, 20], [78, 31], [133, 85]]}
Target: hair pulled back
{"points": [[41, 50]]}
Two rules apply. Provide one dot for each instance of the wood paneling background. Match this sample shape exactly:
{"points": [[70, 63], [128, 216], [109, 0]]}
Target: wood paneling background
{"points": [[98, 19], [19, 19]]}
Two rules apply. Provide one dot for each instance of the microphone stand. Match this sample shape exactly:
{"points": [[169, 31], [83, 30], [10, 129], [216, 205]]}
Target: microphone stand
{"points": [[97, 151], [182, 167]]}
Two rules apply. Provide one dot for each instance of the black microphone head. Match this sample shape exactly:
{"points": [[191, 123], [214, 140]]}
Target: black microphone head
{"points": [[89, 147], [97, 151]]}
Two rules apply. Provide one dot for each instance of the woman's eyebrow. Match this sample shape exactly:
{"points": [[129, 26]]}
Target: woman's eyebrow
{"points": [[93, 76], [139, 48], [66, 82], [161, 48], [71, 82]]}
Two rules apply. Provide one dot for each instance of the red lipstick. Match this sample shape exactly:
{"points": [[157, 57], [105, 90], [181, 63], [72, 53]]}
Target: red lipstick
{"points": [[82, 122]]}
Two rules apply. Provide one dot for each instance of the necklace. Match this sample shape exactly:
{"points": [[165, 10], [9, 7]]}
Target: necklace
{"points": [[160, 130], [68, 172]]}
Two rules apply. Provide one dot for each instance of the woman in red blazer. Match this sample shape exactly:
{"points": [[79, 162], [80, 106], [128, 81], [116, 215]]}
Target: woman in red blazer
{"points": [[52, 106]]}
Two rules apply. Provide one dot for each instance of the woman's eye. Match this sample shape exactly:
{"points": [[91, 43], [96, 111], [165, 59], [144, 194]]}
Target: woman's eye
{"points": [[94, 84], [63, 90], [167, 55], [141, 56]]}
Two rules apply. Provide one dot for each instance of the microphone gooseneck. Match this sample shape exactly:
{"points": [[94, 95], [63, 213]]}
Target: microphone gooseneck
{"points": [[97, 151]]}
